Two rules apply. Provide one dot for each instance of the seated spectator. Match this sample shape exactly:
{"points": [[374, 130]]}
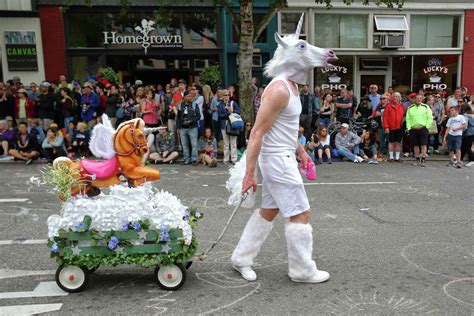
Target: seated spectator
{"points": [[25, 145], [35, 129], [301, 137], [165, 147], [53, 145], [369, 148], [347, 144], [7, 136], [80, 138], [320, 142], [207, 148]]}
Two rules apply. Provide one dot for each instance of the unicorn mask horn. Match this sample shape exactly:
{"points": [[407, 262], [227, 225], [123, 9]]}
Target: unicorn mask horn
{"points": [[294, 57]]}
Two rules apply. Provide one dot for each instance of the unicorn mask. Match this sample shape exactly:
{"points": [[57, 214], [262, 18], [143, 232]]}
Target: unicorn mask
{"points": [[294, 57]]}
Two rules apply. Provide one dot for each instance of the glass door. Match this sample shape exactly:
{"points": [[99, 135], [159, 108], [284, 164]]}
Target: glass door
{"points": [[366, 80]]}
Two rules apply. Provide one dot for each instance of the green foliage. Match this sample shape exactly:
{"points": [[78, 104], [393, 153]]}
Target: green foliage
{"points": [[211, 75], [62, 179], [388, 3], [109, 74]]}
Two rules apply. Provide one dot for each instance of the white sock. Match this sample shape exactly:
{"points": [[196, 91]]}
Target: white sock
{"points": [[397, 155], [391, 154]]}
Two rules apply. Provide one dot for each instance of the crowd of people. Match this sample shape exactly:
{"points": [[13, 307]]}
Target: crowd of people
{"points": [[384, 126], [194, 122]]}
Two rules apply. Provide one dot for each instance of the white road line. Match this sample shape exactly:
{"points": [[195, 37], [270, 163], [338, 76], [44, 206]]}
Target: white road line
{"points": [[12, 200], [44, 289], [29, 309], [340, 183], [9, 273], [23, 242]]}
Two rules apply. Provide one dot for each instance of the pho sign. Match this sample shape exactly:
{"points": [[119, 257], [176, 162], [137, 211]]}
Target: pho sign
{"points": [[145, 38], [434, 71]]}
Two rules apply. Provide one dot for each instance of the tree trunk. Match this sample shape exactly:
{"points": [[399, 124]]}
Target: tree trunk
{"points": [[245, 59]]}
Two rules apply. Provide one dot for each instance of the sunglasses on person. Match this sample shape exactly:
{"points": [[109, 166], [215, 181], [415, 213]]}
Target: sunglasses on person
{"points": [[383, 98], [226, 95]]}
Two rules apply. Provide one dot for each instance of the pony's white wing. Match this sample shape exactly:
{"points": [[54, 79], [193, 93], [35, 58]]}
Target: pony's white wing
{"points": [[234, 184], [101, 144]]}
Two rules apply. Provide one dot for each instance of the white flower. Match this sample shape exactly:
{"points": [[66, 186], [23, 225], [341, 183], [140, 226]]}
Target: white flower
{"points": [[35, 181]]}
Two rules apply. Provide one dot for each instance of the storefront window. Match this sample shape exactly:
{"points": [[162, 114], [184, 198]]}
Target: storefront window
{"points": [[435, 72], [434, 31], [340, 31], [84, 67], [289, 22], [200, 30], [401, 73], [341, 76], [85, 30]]}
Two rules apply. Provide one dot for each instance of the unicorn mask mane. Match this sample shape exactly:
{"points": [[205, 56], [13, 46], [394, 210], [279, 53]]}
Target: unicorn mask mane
{"points": [[294, 57]]}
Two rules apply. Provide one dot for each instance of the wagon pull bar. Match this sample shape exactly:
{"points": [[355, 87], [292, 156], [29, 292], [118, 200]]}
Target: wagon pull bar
{"points": [[203, 255]]}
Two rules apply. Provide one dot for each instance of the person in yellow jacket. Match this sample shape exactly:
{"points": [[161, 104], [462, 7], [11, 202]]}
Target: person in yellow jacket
{"points": [[419, 119]]}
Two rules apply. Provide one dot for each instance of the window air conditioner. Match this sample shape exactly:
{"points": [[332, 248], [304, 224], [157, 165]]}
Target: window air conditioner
{"points": [[393, 40]]}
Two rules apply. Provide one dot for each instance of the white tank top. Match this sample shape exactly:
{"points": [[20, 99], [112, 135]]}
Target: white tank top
{"points": [[283, 136]]}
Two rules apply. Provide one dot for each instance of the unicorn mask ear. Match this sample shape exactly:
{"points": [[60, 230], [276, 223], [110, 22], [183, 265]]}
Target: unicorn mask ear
{"points": [[279, 39]]}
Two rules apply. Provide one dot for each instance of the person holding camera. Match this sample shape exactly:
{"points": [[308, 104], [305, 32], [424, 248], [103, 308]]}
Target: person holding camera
{"points": [[224, 109], [90, 105], [188, 115]]}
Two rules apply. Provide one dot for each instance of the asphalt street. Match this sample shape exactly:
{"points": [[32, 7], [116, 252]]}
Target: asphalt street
{"points": [[396, 239]]}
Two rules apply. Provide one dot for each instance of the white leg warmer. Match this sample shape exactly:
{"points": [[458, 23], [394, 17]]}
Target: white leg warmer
{"points": [[252, 239], [301, 266]]}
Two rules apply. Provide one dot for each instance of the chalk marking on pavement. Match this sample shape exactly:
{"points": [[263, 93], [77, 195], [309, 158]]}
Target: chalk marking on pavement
{"points": [[8, 273], [23, 242], [44, 289], [445, 287], [29, 309], [12, 200]]}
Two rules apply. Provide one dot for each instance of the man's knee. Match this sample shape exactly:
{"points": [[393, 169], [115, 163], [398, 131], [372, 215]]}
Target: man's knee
{"points": [[302, 218], [269, 213]]}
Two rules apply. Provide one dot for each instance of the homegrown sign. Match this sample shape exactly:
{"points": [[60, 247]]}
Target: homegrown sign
{"points": [[143, 38], [21, 51]]}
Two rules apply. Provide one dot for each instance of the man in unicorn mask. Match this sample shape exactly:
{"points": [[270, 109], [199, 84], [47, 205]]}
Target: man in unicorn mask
{"points": [[273, 144]]}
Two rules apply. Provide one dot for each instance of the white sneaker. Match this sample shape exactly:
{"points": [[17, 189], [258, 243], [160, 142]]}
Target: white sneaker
{"points": [[360, 159], [356, 160], [406, 154], [470, 164], [246, 272], [319, 277]]}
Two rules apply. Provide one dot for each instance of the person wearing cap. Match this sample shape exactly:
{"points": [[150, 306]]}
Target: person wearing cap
{"points": [[187, 117], [90, 105], [418, 119], [378, 116], [347, 144], [392, 124], [24, 107], [364, 109], [53, 145], [25, 145], [46, 105]]}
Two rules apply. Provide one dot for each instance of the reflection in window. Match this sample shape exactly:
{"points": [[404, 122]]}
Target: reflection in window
{"points": [[401, 73], [340, 31], [83, 67], [434, 31], [289, 22], [200, 30], [338, 77], [122, 23], [85, 29]]}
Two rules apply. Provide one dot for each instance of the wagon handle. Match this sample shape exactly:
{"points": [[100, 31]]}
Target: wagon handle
{"points": [[203, 255]]}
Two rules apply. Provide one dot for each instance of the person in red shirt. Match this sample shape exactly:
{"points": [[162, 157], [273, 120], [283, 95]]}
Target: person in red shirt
{"points": [[24, 107], [175, 101], [392, 124]]}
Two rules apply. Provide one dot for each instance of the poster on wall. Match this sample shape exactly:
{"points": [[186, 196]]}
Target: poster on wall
{"points": [[20, 48]]}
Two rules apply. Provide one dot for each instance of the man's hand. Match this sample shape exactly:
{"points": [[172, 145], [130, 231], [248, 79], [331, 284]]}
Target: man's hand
{"points": [[249, 182], [351, 145], [303, 157], [164, 154], [387, 131]]}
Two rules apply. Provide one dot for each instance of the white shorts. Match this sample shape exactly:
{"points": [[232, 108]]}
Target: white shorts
{"points": [[282, 184]]}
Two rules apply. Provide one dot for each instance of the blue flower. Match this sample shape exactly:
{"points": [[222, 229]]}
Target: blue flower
{"points": [[55, 248], [136, 227], [113, 243], [186, 215], [125, 227], [81, 227], [164, 234]]}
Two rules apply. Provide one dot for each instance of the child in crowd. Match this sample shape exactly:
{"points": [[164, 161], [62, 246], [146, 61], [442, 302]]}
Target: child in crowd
{"points": [[207, 147], [80, 140], [369, 148], [35, 129], [453, 137]]}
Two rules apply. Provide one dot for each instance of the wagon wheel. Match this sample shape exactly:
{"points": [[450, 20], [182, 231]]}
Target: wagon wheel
{"points": [[72, 279], [188, 265], [170, 277]]}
